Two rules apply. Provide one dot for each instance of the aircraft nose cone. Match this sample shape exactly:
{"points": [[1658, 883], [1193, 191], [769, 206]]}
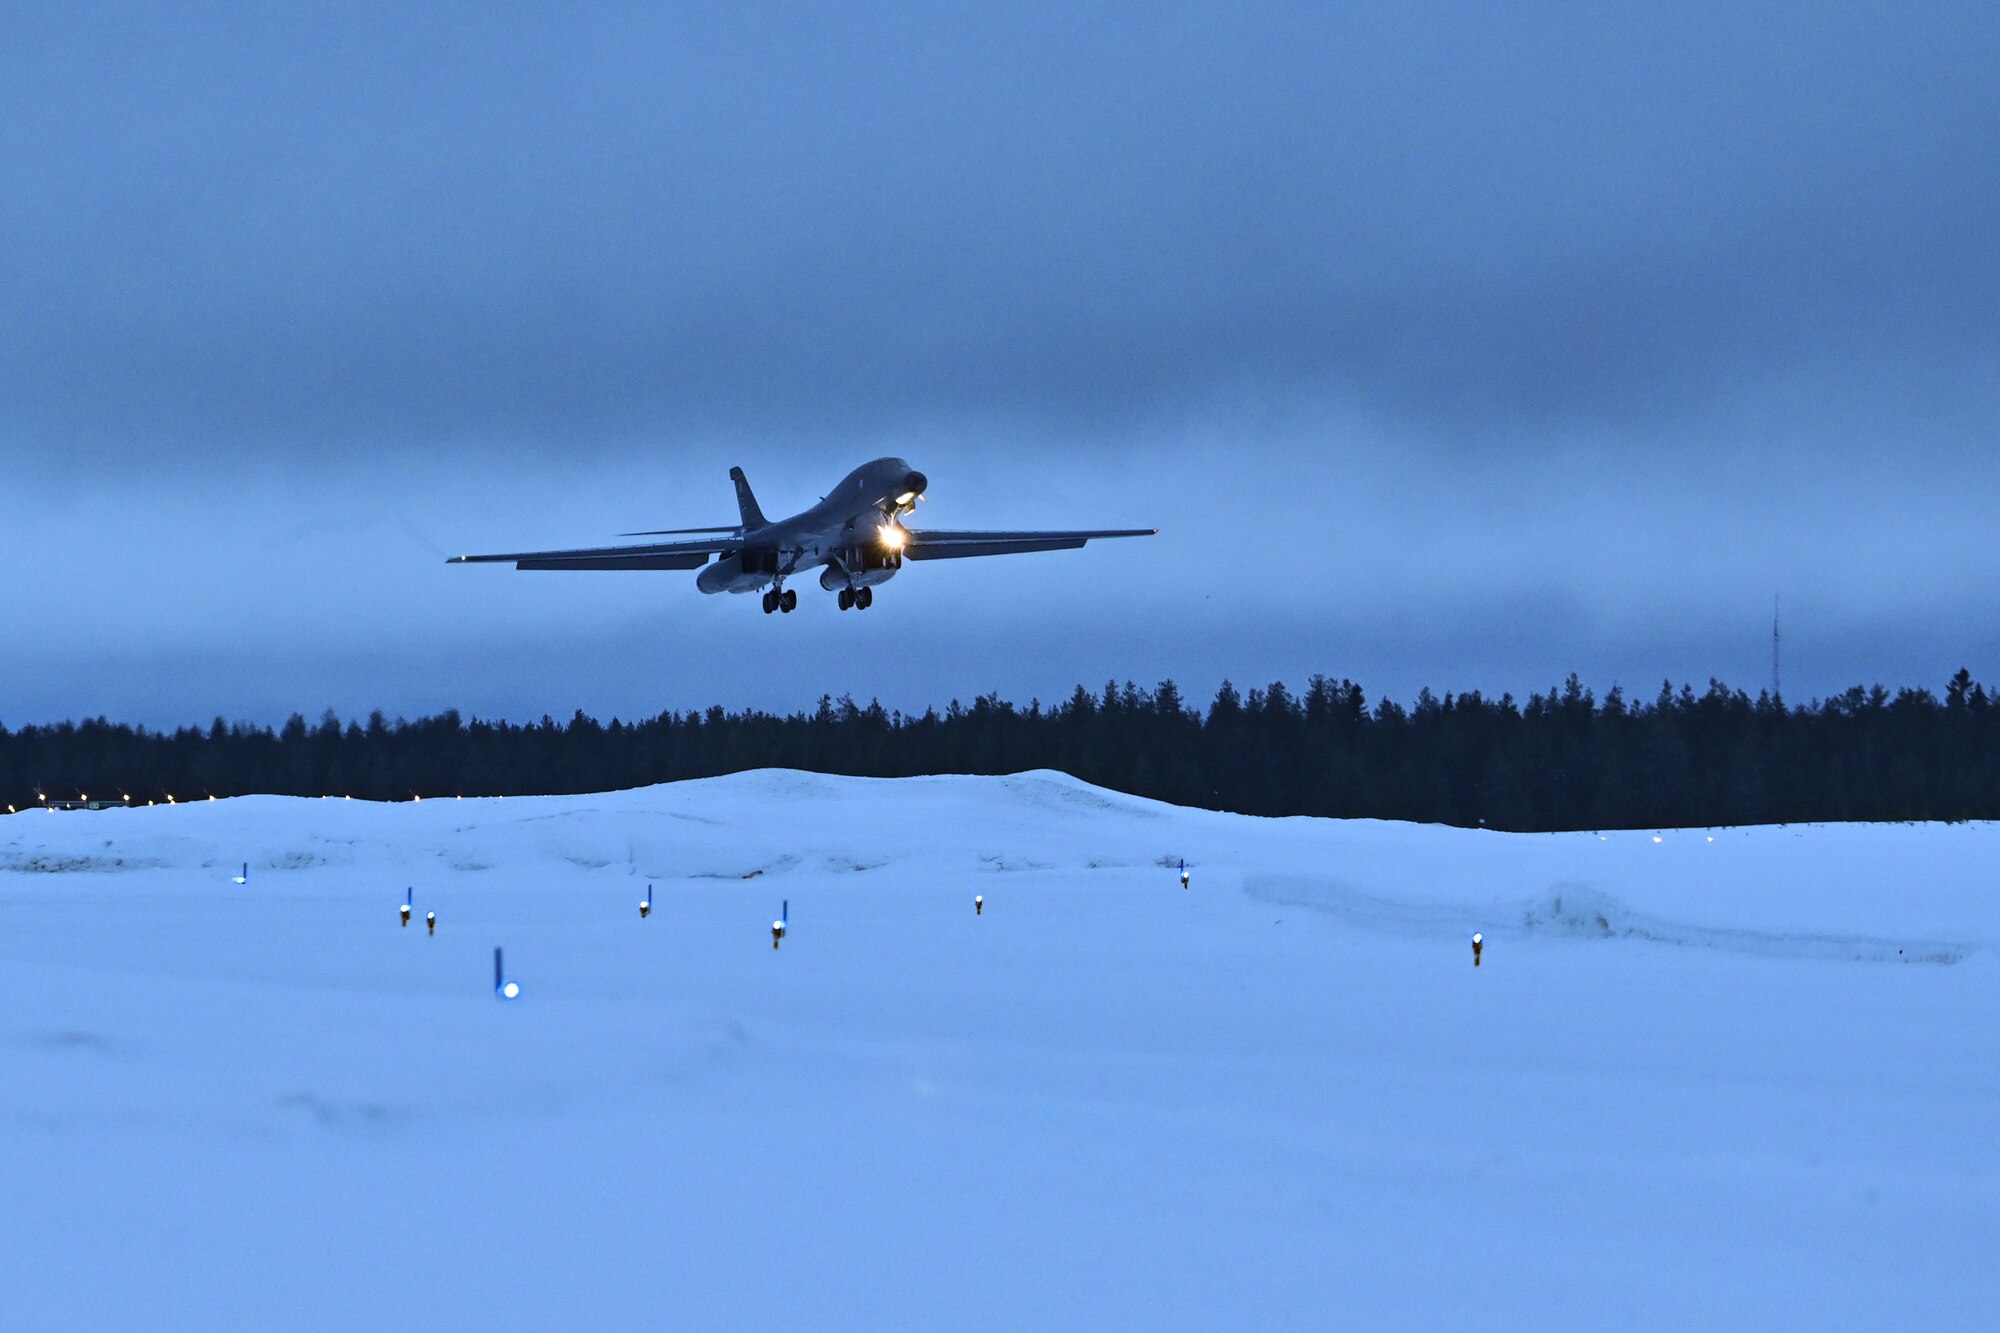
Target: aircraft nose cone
{"points": [[916, 481]]}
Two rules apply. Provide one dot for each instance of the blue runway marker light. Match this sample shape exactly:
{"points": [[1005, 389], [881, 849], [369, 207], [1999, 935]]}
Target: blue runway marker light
{"points": [[502, 987]]}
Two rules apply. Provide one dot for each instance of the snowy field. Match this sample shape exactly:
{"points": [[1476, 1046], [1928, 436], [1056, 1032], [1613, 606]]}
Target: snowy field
{"points": [[1746, 1082]]}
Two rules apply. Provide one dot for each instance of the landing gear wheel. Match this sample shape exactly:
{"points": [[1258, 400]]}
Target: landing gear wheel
{"points": [[770, 602], [864, 598], [846, 598], [788, 600]]}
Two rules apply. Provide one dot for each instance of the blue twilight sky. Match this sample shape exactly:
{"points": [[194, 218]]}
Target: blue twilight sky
{"points": [[1459, 345]]}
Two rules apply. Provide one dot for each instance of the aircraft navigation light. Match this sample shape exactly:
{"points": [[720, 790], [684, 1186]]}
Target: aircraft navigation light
{"points": [[1477, 938], [1656, 837], [510, 991]]}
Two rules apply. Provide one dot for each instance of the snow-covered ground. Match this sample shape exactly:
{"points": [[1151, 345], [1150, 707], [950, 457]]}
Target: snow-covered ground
{"points": [[1747, 1082]]}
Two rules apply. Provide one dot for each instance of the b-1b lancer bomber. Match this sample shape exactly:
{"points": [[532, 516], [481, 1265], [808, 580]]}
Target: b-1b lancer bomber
{"points": [[854, 536]]}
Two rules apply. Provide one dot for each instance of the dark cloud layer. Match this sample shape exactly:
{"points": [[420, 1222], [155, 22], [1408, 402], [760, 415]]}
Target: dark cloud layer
{"points": [[357, 225], [1650, 307]]}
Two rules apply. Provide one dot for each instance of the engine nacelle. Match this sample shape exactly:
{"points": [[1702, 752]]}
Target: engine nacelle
{"points": [[740, 571], [833, 578]]}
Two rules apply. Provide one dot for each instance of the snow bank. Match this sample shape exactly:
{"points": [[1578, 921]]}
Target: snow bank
{"points": [[1739, 1077]]}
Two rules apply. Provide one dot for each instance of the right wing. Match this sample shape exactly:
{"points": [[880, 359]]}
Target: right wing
{"points": [[946, 544], [664, 555]]}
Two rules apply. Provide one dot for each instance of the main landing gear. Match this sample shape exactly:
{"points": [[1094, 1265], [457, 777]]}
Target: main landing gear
{"points": [[776, 600], [858, 598]]}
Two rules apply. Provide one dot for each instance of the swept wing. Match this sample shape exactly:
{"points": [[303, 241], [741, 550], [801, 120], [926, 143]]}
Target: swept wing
{"points": [[955, 544], [660, 555]]}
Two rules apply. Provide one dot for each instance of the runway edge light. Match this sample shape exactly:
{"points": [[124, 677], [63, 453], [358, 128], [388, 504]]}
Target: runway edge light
{"points": [[503, 987]]}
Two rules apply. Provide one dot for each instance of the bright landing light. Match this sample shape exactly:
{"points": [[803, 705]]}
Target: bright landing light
{"points": [[893, 538], [510, 991]]}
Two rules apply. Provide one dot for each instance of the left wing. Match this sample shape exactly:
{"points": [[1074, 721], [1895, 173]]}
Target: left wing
{"points": [[946, 544], [663, 555]]}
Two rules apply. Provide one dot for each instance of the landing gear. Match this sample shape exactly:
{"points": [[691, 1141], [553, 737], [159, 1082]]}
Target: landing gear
{"points": [[846, 599], [858, 598], [774, 600]]}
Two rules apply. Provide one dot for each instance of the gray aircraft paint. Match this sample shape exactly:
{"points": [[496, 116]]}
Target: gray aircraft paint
{"points": [[854, 536]]}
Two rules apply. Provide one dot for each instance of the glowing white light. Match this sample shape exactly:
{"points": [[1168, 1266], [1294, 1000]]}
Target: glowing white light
{"points": [[906, 497], [511, 990], [778, 926], [892, 538], [1711, 837], [1656, 837], [645, 902], [1477, 938]]}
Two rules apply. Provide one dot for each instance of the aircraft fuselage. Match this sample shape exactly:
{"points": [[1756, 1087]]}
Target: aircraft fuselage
{"points": [[852, 535]]}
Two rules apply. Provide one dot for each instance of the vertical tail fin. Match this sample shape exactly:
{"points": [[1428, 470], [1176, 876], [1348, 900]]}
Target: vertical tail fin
{"points": [[746, 503]]}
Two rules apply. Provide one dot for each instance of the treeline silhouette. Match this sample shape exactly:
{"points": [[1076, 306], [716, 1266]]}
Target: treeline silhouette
{"points": [[1567, 759]]}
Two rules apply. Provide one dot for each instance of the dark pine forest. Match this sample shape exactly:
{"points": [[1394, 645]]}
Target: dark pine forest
{"points": [[1567, 759]]}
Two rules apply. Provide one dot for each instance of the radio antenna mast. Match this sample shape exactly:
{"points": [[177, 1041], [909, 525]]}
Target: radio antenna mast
{"points": [[1777, 680]]}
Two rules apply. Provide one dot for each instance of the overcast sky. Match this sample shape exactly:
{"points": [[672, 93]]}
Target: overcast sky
{"points": [[1448, 345]]}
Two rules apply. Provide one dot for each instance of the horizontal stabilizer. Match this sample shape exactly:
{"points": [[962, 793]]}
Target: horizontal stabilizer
{"points": [[680, 532]]}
